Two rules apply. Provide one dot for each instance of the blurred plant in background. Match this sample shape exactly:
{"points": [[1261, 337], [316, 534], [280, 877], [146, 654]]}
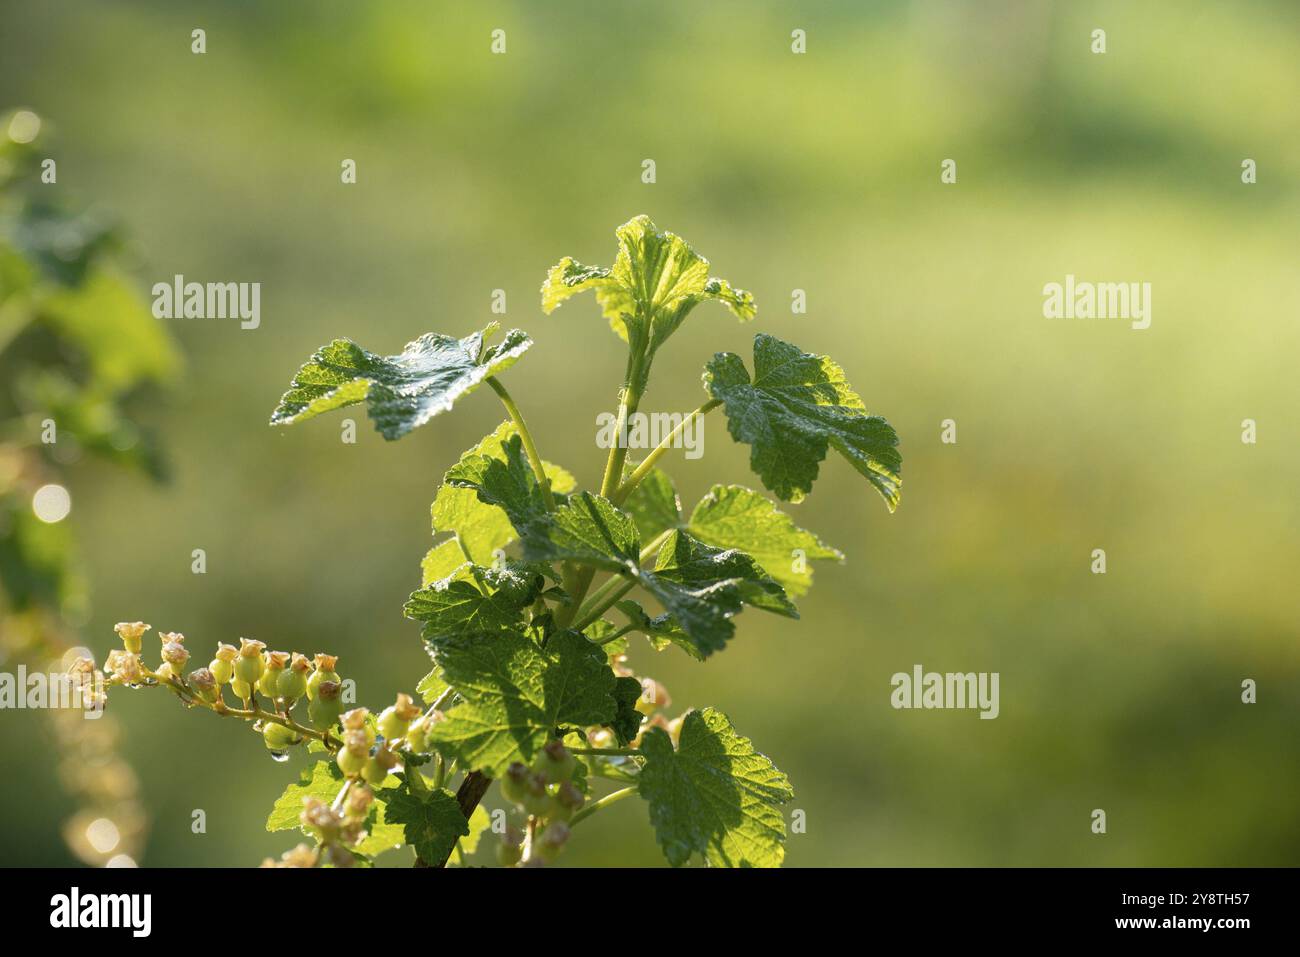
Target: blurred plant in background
{"points": [[76, 343]]}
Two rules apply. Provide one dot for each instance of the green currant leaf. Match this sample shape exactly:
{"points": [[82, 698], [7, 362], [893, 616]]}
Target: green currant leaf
{"points": [[506, 482], [587, 529], [431, 822], [714, 795], [732, 516], [601, 629], [431, 686], [796, 406], [323, 780], [653, 504], [444, 560], [655, 282], [627, 720], [493, 601], [517, 693], [404, 391], [661, 631], [482, 528]]}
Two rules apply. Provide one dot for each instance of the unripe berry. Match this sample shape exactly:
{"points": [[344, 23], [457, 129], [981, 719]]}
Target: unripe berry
{"points": [[325, 665], [395, 719], [223, 665], [509, 851], [203, 684], [355, 720], [358, 803], [249, 666], [242, 689], [354, 754], [292, 683], [324, 709], [568, 799], [514, 785], [417, 735], [554, 763], [537, 800], [164, 673], [269, 683], [132, 634], [277, 737], [552, 841]]}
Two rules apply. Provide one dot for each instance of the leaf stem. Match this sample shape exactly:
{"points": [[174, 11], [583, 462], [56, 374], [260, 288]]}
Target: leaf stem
{"points": [[253, 713], [605, 596], [643, 469], [612, 798], [530, 447]]}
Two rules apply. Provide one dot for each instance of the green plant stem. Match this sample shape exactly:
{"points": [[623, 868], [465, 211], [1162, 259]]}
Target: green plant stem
{"points": [[607, 752], [530, 448], [612, 798], [643, 469], [616, 635], [253, 713], [604, 598]]}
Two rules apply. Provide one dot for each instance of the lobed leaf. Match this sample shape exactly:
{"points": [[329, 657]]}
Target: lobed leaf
{"points": [[517, 694], [796, 407], [431, 821], [403, 391], [714, 795]]}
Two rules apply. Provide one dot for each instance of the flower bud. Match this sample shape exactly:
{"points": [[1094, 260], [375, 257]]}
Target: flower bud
{"points": [[249, 666], [325, 665], [174, 654], [131, 633], [223, 665], [203, 684], [292, 683], [358, 802], [319, 817]]}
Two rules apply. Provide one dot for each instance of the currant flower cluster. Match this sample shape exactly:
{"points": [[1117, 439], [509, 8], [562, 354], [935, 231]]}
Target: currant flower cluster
{"points": [[366, 749]]}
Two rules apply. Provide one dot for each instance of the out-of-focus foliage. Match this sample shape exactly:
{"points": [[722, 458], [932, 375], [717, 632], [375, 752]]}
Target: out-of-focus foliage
{"points": [[76, 342]]}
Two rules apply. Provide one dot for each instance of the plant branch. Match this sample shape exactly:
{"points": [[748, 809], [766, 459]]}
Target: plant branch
{"points": [[612, 798], [530, 448], [605, 596], [643, 469]]}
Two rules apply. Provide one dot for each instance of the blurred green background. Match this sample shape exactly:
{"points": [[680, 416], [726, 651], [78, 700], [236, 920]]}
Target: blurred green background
{"points": [[818, 172]]}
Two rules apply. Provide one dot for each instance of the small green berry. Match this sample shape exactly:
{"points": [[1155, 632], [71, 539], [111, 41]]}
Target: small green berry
{"points": [[241, 689], [395, 719], [554, 763], [537, 800], [277, 737], [324, 709], [269, 683], [568, 799], [325, 665], [249, 666], [514, 785], [223, 665], [552, 841], [292, 683]]}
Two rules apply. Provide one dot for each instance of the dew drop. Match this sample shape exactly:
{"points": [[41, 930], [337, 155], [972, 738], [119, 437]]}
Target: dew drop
{"points": [[280, 756]]}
